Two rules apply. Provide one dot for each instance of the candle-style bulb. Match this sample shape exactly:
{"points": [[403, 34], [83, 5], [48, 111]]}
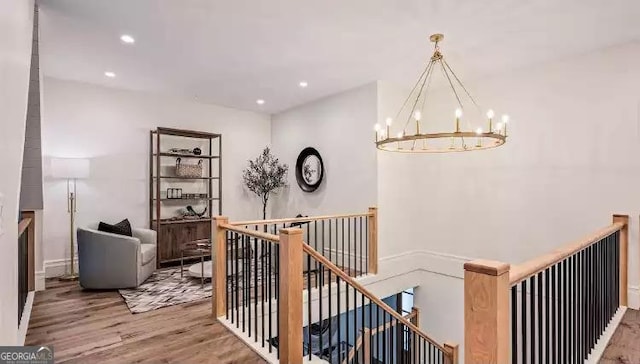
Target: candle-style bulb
{"points": [[377, 127], [498, 127], [479, 131], [417, 115], [400, 134], [505, 119], [458, 113], [389, 121], [490, 114]]}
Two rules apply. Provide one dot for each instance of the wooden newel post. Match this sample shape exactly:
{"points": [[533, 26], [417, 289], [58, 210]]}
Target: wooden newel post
{"points": [[452, 353], [486, 312], [219, 273], [373, 240], [415, 316], [366, 346], [290, 302], [624, 256]]}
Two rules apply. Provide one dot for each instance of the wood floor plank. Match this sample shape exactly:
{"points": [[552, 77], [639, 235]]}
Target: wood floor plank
{"points": [[87, 326], [624, 346]]}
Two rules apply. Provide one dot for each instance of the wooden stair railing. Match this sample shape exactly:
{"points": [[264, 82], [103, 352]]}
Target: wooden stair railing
{"points": [[350, 241], [26, 258], [553, 308], [254, 268]]}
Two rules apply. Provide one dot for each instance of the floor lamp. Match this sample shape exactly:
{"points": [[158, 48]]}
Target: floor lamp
{"points": [[71, 169]]}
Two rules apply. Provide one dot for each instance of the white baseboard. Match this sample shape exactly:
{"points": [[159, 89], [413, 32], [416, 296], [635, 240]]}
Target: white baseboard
{"points": [[39, 280], [24, 320], [57, 267], [634, 297], [601, 345]]}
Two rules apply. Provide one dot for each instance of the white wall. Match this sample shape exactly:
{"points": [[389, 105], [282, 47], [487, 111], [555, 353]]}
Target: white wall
{"points": [[16, 22], [340, 128], [571, 161], [111, 127]]}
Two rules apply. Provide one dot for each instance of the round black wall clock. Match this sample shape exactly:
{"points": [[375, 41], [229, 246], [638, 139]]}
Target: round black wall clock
{"points": [[309, 169]]}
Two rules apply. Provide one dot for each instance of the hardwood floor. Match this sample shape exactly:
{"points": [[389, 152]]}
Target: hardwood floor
{"points": [[96, 327], [624, 346]]}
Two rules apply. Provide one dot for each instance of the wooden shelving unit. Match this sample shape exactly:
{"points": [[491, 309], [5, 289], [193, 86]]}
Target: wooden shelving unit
{"points": [[172, 232]]}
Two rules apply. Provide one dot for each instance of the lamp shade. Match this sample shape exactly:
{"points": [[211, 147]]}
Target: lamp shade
{"points": [[71, 168]]}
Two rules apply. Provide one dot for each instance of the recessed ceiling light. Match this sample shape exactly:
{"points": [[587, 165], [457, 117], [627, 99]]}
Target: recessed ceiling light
{"points": [[260, 101], [125, 38], [110, 74], [303, 84]]}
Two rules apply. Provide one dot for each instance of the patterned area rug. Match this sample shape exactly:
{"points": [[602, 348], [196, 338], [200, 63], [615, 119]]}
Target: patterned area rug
{"points": [[165, 288]]}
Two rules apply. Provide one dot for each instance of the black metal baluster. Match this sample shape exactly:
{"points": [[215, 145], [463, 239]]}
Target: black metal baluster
{"points": [[330, 314], [236, 243], [263, 288], [581, 298], [339, 315], [574, 309], [523, 286], [547, 357], [346, 315], [342, 251], [360, 259], [384, 337], [323, 252], [309, 322], [349, 246], [565, 322], [540, 315], [514, 323], [269, 284], [355, 316], [255, 288], [561, 303], [277, 289], [366, 244], [245, 274], [532, 304], [554, 322], [321, 267], [229, 273]]}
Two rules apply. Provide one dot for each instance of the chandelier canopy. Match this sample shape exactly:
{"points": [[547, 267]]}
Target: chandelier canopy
{"points": [[413, 137]]}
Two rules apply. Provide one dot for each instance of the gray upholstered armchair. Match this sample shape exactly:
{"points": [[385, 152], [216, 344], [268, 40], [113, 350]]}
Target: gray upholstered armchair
{"points": [[108, 261]]}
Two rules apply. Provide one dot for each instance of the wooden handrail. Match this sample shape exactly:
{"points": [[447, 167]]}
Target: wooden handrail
{"points": [[298, 219], [536, 265], [345, 277], [23, 225], [253, 233]]}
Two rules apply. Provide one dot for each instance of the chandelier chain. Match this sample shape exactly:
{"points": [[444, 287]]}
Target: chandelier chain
{"points": [[429, 66], [461, 84]]}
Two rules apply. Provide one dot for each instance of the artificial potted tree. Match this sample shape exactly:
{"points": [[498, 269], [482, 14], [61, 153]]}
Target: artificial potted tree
{"points": [[264, 176]]}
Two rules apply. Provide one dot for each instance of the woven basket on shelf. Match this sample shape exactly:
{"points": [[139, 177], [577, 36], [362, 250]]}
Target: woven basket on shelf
{"points": [[188, 170]]}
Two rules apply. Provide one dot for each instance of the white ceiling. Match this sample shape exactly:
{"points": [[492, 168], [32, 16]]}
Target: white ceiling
{"points": [[232, 52]]}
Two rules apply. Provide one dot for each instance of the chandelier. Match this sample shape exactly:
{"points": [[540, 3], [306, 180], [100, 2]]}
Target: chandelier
{"points": [[414, 138]]}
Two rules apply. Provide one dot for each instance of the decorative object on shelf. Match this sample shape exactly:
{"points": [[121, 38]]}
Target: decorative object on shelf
{"points": [[174, 193], [188, 170], [71, 169], [411, 136], [180, 151], [309, 169], [197, 151], [264, 176], [189, 212]]}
